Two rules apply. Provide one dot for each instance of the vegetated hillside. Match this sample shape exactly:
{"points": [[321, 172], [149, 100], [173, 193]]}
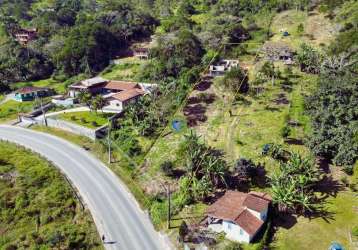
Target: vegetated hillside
{"points": [[262, 126], [38, 208]]}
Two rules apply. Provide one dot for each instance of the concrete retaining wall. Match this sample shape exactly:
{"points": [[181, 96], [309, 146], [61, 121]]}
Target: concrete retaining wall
{"points": [[67, 126]]}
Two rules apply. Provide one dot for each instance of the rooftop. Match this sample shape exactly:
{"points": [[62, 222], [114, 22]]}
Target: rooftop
{"points": [[234, 206], [128, 94], [30, 89], [121, 85], [93, 81]]}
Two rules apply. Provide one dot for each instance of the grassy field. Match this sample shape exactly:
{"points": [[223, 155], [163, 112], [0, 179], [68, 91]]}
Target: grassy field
{"points": [[86, 118], [38, 207], [10, 109], [126, 70]]}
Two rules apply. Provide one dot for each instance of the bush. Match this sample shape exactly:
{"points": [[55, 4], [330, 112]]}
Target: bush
{"points": [[300, 28], [355, 231], [94, 124], [83, 120], [345, 181], [285, 131], [167, 168], [348, 169], [233, 246], [73, 118]]}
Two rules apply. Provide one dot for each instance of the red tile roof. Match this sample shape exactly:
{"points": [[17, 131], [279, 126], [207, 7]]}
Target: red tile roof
{"points": [[249, 222], [229, 206], [121, 85], [233, 206], [30, 89], [256, 203], [128, 94]]}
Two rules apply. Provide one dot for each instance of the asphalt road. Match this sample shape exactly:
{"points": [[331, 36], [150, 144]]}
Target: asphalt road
{"points": [[114, 210]]}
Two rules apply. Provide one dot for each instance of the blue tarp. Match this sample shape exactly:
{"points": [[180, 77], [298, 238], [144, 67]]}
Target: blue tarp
{"points": [[336, 246], [176, 125]]}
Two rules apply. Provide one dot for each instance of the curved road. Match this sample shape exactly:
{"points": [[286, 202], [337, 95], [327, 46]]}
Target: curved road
{"points": [[114, 210]]}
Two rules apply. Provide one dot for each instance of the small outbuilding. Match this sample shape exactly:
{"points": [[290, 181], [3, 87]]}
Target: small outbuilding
{"points": [[141, 53], [219, 69], [24, 36], [30, 93]]}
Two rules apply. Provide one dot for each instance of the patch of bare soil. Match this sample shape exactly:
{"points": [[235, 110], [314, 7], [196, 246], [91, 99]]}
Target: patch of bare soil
{"points": [[320, 28], [197, 104]]}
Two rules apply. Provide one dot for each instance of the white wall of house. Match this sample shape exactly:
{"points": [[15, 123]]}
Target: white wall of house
{"points": [[233, 231], [73, 93], [115, 104]]}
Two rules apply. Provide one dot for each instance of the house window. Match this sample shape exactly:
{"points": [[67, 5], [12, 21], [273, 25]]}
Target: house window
{"points": [[241, 232], [117, 104], [229, 226]]}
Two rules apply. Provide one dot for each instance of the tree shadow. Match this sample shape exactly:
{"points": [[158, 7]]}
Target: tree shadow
{"points": [[294, 141], [328, 186], [203, 85], [193, 100], [281, 99], [272, 109], [195, 114], [177, 173], [284, 220], [260, 178], [207, 98], [323, 164]]}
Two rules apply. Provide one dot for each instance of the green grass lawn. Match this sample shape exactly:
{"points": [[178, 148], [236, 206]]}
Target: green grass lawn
{"points": [[38, 206], [318, 233], [86, 118], [10, 109], [59, 87], [126, 70]]}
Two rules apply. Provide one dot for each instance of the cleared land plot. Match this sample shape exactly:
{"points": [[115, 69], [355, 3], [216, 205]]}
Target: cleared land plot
{"points": [[38, 207], [317, 29], [126, 69]]}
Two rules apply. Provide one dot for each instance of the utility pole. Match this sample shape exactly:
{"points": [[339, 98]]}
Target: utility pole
{"points": [[109, 140], [168, 194], [42, 109]]}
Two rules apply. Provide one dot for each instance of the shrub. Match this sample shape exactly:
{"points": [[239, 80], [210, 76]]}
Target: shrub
{"points": [[73, 118], [348, 169], [94, 124], [167, 168], [300, 28], [233, 246], [355, 231], [345, 181], [285, 131], [83, 120]]}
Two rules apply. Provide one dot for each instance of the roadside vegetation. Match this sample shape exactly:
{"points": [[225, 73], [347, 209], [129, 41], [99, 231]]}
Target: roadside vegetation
{"points": [[288, 128], [38, 206]]}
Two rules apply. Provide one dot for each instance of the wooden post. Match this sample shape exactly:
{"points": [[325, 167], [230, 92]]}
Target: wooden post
{"points": [[168, 194], [109, 141]]}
